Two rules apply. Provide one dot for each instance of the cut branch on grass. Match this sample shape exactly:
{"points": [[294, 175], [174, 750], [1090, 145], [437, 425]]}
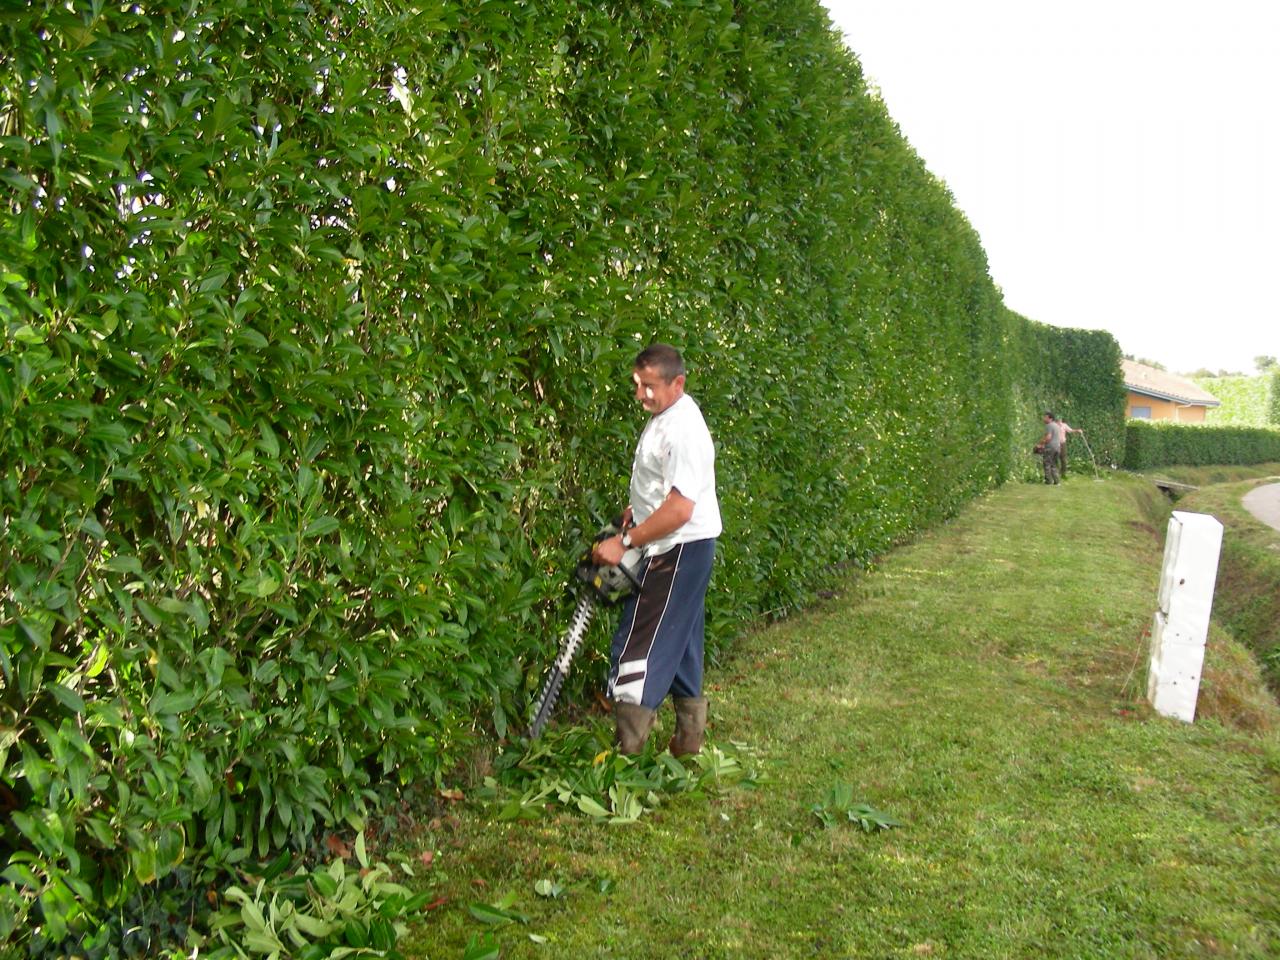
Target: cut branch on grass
{"points": [[577, 769]]}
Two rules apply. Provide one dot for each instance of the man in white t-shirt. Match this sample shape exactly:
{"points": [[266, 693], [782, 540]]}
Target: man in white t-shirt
{"points": [[674, 517], [1064, 430]]}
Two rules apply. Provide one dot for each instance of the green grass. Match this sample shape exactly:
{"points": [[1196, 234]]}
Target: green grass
{"points": [[1206, 476], [984, 685]]}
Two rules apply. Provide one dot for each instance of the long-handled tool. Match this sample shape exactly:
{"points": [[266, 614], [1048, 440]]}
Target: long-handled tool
{"points": [[1096, 475], [601, 585]]}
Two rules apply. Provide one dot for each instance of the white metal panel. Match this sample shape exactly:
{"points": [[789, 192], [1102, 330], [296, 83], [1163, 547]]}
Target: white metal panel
{"points": [[1181, 626]]}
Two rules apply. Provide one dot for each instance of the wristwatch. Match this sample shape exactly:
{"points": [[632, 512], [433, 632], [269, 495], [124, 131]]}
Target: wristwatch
{"points": [[626, 539]]}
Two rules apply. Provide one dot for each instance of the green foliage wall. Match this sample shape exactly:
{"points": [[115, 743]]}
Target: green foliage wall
{"points": [[1077, 375], [1273, 400], [1244, 400], [318, 323], [1161, 443]]}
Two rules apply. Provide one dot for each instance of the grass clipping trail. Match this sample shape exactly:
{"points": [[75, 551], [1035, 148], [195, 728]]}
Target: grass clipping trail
{"points": [[981, 692]]}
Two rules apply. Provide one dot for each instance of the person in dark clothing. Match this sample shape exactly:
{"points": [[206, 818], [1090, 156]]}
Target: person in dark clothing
{"points": [[1049, 446]]}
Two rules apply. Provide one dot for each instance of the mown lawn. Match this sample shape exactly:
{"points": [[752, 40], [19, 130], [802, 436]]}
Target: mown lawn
{"points": [[984, 685]]}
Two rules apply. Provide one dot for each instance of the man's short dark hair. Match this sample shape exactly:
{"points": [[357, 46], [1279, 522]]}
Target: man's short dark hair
{"points": [[663, 358], [1049, 414]]}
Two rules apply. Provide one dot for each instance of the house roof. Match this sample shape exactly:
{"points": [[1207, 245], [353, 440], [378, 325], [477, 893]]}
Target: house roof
{"points": [[1151, 382]]}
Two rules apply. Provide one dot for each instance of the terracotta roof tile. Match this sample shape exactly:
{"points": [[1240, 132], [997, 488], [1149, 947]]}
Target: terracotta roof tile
{"points": [[1141, 378]]}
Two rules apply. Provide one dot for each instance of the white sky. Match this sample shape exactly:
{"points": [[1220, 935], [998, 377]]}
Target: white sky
{"points": [[1119, 159]]}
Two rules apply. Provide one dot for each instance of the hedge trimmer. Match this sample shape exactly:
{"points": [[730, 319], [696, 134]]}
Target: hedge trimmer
{"points": [[601, 585]]}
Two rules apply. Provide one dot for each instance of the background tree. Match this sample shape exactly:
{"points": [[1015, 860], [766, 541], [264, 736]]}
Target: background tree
{"points": [[1145, 362]]}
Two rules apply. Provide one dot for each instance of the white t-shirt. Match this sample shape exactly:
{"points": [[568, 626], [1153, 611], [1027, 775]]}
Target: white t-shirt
{"points": [[675, 451]]}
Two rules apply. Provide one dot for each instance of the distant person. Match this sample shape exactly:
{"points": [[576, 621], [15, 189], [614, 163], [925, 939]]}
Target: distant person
{"points": [[1063, 430], [1049, 447]]}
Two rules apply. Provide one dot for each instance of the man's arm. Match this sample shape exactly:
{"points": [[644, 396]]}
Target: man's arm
{"points": [[672, 514]]}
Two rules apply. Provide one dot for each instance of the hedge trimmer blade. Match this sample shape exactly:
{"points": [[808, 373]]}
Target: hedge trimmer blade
{"points": [[560, 669], [603, 584]]}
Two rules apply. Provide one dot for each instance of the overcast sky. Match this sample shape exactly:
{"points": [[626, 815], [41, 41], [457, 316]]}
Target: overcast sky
{"points": [[1118, 159]]}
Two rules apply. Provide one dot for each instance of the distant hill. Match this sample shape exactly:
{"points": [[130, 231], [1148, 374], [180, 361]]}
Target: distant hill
{"points": [[1244, 400]]}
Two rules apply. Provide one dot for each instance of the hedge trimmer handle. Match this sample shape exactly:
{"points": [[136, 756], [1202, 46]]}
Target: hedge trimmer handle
{"points": [[612, 584]]}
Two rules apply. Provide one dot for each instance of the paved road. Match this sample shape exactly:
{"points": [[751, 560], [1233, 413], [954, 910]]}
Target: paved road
{"points": [[1264, 503]]}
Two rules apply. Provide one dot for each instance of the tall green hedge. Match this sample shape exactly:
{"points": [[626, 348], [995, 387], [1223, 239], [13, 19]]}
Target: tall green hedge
{"points": [[1161, 443], [318, 322], [1077, 375], [1273, 400]]}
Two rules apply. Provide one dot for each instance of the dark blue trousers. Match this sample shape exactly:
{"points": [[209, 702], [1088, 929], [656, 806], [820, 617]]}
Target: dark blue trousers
{"points": [[657, 648]]}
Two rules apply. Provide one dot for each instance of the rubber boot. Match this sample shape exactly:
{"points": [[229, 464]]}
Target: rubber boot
{"points": [[633, 725], [691, 726]]}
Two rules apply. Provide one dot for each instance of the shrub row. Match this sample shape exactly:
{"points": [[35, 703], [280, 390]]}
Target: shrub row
{"points": [[318, 327], [1159, 444]]}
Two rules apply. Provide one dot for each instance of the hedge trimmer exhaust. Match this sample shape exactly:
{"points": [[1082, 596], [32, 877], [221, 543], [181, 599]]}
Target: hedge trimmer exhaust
{"points": [[604, 585]]}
